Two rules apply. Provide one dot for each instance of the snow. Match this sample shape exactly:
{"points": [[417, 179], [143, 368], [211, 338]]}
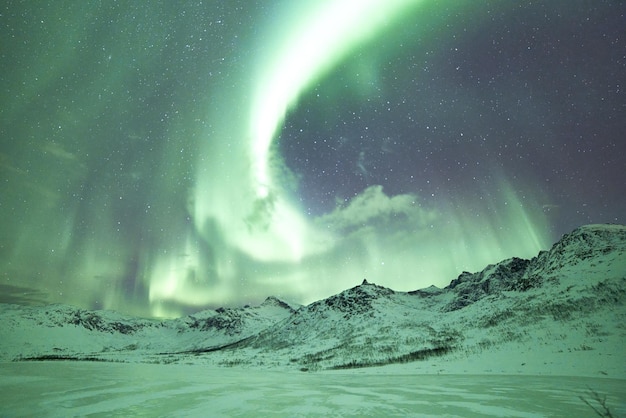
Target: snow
{"points": [[71, 389], [520, 338]]}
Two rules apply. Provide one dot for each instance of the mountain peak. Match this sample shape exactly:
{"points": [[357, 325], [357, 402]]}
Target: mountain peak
{"points": [[271, 300], [589, 234], [581, 244], [274, 301], [364, 282]]}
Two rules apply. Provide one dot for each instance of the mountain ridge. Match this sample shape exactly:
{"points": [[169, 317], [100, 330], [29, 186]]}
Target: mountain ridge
{"points": [[565, 304]]}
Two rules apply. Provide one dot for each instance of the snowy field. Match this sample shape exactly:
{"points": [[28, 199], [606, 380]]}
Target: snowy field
{"points": [[114, 389]]}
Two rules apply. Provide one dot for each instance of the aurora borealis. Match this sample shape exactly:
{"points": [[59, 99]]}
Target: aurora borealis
{"points": [[162, 159]]}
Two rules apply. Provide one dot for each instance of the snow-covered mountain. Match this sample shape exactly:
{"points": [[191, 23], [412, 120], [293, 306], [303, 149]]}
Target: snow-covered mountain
{"points": [[65, 332], [567, 300], [561, 312]]}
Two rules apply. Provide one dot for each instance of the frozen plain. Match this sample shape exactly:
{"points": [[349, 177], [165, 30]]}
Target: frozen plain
{"points": [[66, 388]]}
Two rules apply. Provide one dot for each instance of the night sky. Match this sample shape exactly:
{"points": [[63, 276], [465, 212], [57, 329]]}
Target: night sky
{"points": [[159, 158]]}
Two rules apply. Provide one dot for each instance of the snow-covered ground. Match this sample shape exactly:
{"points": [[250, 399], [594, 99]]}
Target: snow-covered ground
{"points": [[133, 389], [521, 338]]}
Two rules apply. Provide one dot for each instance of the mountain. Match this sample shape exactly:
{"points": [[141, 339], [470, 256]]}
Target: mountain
{"points": [[561, 312], [65, 332]]}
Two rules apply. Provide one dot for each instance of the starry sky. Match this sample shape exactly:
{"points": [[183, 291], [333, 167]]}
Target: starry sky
{"points": [[159, 158]]}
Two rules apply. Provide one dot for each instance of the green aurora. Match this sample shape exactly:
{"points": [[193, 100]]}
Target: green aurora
{"points": [[144, 166]]}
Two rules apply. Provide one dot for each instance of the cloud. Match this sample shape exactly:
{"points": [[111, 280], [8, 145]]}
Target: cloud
{"points": [[374, 207], [360, 164], [22, 295], [57, 150]]}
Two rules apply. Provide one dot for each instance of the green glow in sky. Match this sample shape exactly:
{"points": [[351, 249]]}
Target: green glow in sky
{"points": [[142, 173], [249, 203], [309, 41]]}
